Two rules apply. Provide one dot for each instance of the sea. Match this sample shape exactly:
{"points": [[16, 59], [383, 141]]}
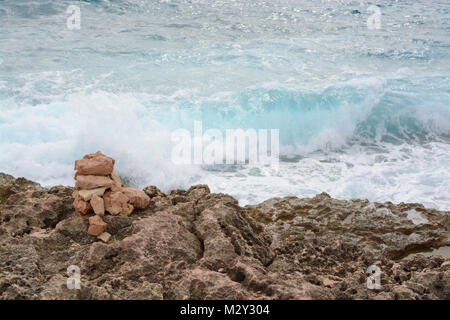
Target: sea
{"points": [[359, 91]]}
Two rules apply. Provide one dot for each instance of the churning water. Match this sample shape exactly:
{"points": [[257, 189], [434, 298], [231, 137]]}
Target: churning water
{"points": [[362, 112]]}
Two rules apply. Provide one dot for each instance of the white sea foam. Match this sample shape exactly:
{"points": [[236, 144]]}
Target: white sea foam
{"points": [[42, 142], [416, 176]]}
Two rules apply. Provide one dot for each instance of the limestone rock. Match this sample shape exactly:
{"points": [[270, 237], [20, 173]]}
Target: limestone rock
{"points": [[30, 209], [117, 224], [96, 226], [105, 236], [128, 210], [153, 191], [117, 202], [205, 284], [383, 227], [92, 182], [195, 193], [95, 164], [143, 290], [191, 244], [9, 185], [98, 205], [157, 241], [116, 187], [116, 178], [86, 195], [81, 206], [138, 198], [73, 228]]}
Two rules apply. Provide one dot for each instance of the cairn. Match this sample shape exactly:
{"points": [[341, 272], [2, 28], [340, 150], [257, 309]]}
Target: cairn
{"points": [[99, 190]]}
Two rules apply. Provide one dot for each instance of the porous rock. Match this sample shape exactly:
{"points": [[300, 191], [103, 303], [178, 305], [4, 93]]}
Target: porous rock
{"points": [[86, 195], [98, 205], [95, 164], [89, 182], [117, 202], [191, 244], [96, 226], [138, 198], [81, 206]]}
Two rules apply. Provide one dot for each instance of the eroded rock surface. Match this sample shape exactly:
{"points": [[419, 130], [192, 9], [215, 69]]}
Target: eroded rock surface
{"points": [[333, 242], [192, 244], [9, 185]]}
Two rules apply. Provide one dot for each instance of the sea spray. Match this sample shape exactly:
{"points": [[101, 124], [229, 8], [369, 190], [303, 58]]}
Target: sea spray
{"points": [[361, 112]]}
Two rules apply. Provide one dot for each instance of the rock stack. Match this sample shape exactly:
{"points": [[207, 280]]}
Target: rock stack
{"points": [[99, 190]]}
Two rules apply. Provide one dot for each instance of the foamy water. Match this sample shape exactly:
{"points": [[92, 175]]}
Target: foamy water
{"points": [[362, 113]]}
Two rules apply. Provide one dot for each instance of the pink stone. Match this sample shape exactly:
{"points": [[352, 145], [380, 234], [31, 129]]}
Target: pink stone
{"points": [[98, 205], [138, 198], [95, 164], [116, 202], [96, 226], [81, 207], [92, 182]]}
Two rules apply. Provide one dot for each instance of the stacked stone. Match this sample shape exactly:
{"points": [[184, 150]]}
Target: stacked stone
{"points": [[99, 190]]}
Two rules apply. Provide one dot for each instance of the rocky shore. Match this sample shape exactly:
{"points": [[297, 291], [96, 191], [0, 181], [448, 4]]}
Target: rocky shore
{"points": [[193, 244]]}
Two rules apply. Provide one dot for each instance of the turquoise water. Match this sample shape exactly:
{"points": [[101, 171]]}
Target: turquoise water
{"points": [[362, 113]]}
